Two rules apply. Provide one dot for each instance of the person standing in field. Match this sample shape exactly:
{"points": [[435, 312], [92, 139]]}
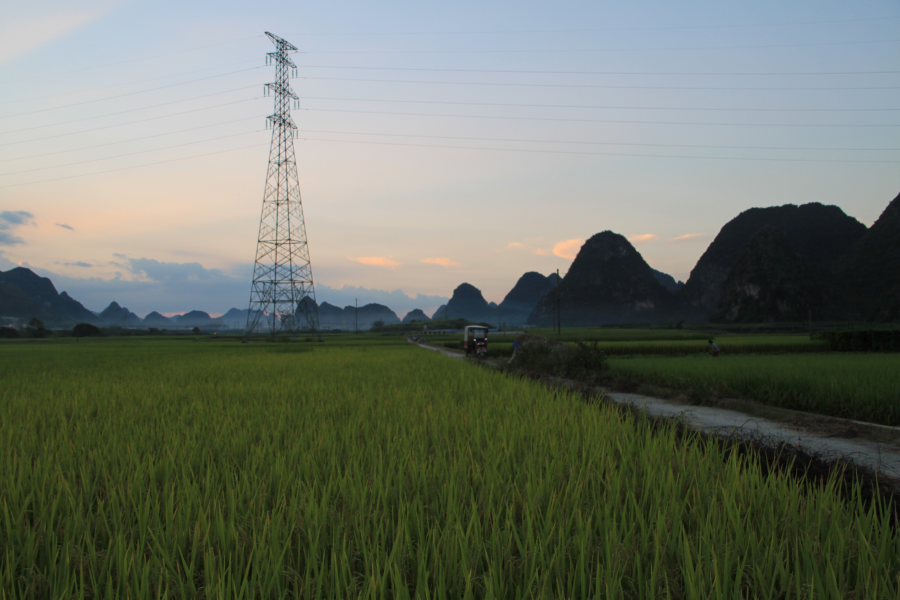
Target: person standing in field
{"points": [[713, 349]]}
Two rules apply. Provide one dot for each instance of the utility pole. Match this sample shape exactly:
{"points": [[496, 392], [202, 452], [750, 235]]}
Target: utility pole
{"points": [[282, 274], [356, 327], [558, 317]]}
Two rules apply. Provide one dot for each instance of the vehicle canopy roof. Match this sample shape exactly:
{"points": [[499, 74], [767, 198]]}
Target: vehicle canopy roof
{"points": [[472, 328]]}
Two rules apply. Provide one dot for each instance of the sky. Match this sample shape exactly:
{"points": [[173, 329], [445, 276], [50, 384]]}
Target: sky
{"points": [[439, 143]]}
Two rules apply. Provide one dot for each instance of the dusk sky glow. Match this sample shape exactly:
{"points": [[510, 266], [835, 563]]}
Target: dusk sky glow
{"points": [[438, 143]]}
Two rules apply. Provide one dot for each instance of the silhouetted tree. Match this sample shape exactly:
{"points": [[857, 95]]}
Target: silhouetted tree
{"points": [[86, 330], [36, 328]]}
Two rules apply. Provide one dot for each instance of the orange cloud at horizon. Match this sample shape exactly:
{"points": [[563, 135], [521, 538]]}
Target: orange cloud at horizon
{"points": [[443, 262], [568, 248], [644, 237], [542, 252], [686, 237], [375, 261]]}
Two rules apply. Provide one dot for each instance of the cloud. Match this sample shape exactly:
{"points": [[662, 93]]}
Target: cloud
{"points": [[27, 26], [64, 226], [16, 217], [644, 237], [568, 249], [515, 245], [444, 262], [167, 272], [78, 264], [5, 263], [375, 261], [542, 252], [146, 284], [687, 237], [9, 220], [176, 288]]}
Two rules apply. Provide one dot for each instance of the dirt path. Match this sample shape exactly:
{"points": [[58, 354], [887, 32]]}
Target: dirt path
{"points": [[871, 447], [882, 457], [443, 351]]}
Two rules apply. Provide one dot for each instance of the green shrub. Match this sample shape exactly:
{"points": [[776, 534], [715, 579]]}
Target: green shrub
{"points": [[864, 340], [86, 330], [584, 360]]}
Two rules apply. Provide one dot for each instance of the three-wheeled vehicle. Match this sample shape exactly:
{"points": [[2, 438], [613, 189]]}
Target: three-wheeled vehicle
{"points": [[475, 340]]}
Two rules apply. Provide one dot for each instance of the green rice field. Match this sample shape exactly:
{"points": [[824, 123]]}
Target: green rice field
{"points": [[369, 468], [853, 385]]}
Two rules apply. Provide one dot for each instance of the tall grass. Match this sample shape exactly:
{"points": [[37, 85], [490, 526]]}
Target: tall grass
{"points": [[179, 470], [856, 386]]}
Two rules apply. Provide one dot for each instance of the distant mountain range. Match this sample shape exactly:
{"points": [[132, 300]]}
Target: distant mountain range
{"points": [[782, 263], [25, 295]]}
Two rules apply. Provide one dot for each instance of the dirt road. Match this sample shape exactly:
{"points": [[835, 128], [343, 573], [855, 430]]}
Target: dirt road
{"points": [[868, 446]]}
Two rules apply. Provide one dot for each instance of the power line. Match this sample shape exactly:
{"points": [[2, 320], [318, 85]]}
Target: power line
{"points": [[125, 62], [162, 87], [526, 72], [614, 154], [108, 87], [586, 50], [131, 110], [129, 154], [494, 32], [606, 87], [483, 139], [375, 112], [603, 153], [147, 137], [594, 106], [132, 167], [49, 137], [542, 141]]}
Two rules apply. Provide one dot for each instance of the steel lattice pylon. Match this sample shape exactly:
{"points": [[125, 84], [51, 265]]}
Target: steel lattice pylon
{"points": [[282, 295]]}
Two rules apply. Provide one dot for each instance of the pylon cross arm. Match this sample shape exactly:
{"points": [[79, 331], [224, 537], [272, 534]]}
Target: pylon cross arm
{"points": [[282, 44]]}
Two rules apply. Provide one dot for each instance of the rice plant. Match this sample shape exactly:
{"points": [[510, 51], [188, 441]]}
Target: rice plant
{"points": [[178, 469], [855, 386]]}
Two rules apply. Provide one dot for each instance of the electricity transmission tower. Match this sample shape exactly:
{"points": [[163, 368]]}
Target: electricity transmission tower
{"points": [[282, 296]]}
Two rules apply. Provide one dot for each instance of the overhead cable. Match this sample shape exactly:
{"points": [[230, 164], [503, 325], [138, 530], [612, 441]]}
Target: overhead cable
{"points": [[539, 141], [162, 87], [608, 87], [589, 50], [126, 141], [527, 72], [596, 30], [184, 112], [162, 162], [81, 162], [133, 60], [116, 85], [407, 114], [131, 110], [596, 106], [532, 150]]}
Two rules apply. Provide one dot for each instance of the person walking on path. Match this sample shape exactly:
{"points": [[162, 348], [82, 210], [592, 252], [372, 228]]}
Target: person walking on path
{"points": [[713, 349]]}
